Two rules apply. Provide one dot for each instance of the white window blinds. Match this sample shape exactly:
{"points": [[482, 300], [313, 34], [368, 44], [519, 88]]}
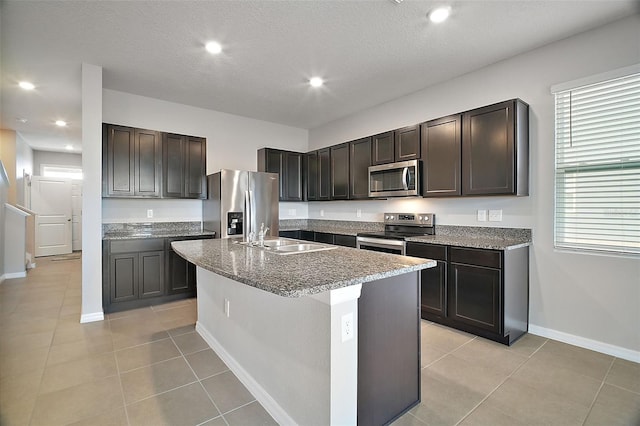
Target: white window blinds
{"points": [[597, 193]]}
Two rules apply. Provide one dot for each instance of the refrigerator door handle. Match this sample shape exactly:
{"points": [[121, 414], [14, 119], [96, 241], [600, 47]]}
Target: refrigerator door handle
{"points": [[247, 214]]}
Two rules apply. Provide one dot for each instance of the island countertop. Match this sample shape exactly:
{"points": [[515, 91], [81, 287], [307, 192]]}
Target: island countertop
{"points": [[295, 275]]}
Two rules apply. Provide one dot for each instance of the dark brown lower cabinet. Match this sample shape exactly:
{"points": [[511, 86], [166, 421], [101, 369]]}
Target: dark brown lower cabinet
{"points": [[321, 237], [142, 272], [484, 292], [388, 348]]}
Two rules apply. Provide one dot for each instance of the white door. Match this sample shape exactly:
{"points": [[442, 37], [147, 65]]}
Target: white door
{"points": [[51, 200], [76, 215]]}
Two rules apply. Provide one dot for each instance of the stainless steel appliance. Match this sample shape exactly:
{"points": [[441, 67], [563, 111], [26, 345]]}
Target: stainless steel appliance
{"points": [[239, 202], [397, 227], [400, 179]]}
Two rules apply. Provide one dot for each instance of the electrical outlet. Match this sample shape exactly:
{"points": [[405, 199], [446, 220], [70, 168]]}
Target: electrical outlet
{"points": [[347, 327], [321, 213], [359, 213], [482, 215], [227, 307], [495, 215], [149, 213]]}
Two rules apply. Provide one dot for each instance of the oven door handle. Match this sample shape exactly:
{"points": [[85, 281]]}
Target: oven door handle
{"points": [[379, 242]]}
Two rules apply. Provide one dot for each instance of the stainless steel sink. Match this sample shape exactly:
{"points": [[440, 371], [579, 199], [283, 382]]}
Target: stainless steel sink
{"points": [[302, 248], [280, 242]]}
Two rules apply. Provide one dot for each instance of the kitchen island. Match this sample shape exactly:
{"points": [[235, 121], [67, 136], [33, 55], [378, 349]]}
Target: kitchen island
{"points": [[327, 337]]}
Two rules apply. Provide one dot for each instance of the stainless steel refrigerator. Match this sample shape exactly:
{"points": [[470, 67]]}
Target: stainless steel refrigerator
{"points": [[238, 202]]}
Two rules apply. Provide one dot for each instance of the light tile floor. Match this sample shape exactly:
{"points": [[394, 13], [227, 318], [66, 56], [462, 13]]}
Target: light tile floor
{"points": [[149, 367]]}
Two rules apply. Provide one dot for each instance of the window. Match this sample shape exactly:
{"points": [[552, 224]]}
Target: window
{"points": [[69, 172], [597, 170]]}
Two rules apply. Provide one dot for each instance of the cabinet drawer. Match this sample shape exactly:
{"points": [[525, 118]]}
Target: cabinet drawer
{"points": [[344, 240], [130, 246], [479, 257], [427, 251], [323, 237]]}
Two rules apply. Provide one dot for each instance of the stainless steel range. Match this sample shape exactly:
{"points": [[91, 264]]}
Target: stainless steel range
{"points": [[397, 227]]}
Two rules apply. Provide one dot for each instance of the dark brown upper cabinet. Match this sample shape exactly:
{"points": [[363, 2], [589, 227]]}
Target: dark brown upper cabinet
{"points": [[131, 162], [183, 166], [359, 162], [324, 174], [397, 145], [495, 149], [312, 182], [318, 175], [340, 171], [441, 146], [288, 165]]}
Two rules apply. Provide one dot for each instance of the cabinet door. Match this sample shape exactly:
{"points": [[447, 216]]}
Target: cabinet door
{"points": [[181, 278], [118, 161], [312, 175], [272, 161], [292, 177], [148, 163], [475, 296], [195, 167], [173, 165], [441, 147], [407, 143], [433, 282], [324, 174], [323, 237], [290, 234], [488, 160], [359, 162], [123, 277], [307, 235], [151, 270], [382, 148], [340, 172]]}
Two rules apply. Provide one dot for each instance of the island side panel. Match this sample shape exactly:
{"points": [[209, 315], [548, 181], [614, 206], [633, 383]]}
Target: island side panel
{"points": [[389, 348], [282, 345]]}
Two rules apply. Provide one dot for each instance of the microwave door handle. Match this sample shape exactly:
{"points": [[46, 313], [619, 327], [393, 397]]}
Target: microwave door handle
{"points": [[405, 178]]}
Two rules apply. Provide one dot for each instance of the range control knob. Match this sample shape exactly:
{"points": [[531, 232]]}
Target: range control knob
{"points": [[391, 217], [426, 218]]}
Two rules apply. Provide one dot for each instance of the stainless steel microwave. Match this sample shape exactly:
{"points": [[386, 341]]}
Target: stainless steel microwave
{"points": [[400, 179]]}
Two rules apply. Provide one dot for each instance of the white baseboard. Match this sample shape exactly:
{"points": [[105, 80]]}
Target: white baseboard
{"points": [[261, 395], [15, 275], [583, 342], [92, 317], [31, 265]]}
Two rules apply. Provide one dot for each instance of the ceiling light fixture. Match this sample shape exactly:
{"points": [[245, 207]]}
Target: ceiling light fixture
{"points": [[26, 85], [213, 47], [439, 15], [61, 123], [316, 81], [21, 120]]}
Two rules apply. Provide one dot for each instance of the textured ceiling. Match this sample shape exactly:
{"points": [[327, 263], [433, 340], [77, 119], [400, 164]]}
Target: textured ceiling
{"points": [[369, 52]]}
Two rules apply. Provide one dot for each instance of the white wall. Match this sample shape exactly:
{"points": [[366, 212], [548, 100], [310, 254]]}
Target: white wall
{"points": [[587, 299], [24, 164], [232, 143], [164, 210], [54, 158]]}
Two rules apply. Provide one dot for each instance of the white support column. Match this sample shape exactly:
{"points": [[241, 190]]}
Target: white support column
{"points": [[92, 197]]}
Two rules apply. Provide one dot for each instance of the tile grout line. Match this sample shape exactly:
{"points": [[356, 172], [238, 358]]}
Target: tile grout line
{"points": [[199, 382], [124, 402], [500, 384], [595, 398]]}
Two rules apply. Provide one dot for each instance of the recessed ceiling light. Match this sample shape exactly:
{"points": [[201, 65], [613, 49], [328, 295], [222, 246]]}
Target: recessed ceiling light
{"points": [[21, 120], [439, 15], [316, 81], [213, 47], [61, 123], [26, 85], [69, 147]]}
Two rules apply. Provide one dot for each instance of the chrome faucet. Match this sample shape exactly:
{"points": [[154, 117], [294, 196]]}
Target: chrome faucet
{"points": [[261, 234]]}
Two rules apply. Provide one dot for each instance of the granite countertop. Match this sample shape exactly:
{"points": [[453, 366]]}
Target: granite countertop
{"points": [[295, 275], [492, 238], [129, 231]]}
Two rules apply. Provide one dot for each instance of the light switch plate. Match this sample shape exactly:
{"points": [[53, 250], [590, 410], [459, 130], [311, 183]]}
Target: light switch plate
{"points": [[482, 215], [149, 213], [495, 215]]}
